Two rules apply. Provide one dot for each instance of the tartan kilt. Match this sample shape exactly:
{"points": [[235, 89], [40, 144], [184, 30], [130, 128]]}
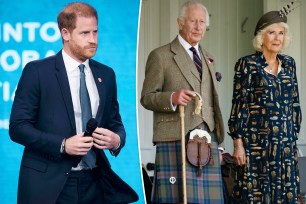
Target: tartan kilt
{"points": [[206, 189]]}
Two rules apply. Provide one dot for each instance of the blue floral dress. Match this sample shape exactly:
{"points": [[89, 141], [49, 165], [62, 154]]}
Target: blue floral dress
{"points": [[266, 115]]}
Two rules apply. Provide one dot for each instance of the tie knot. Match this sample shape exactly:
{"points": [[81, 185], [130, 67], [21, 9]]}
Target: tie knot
{"points": [[193, 50], [82, 66]]}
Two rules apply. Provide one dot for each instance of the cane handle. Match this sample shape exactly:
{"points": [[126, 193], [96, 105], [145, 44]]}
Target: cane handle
{"points": [[198, 100]]}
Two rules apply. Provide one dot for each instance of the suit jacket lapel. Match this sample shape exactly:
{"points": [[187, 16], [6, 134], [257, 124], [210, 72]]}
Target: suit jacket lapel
{"points": [[62, 78], [181, 59], [98, 77], [210, 66]]}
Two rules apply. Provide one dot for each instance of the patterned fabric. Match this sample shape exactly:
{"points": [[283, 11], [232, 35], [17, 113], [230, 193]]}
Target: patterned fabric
{"points": [[266, 115], [205, 190]]}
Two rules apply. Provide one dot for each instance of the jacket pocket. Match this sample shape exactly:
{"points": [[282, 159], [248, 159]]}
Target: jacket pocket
{"points": [[34, 164]]}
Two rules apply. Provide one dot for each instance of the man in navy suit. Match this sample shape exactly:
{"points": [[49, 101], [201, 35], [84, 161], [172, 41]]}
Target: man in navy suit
{"points": [[46, 118]]}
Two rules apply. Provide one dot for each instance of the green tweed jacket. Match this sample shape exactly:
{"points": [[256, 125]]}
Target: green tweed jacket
{"points": [[169, 68]]}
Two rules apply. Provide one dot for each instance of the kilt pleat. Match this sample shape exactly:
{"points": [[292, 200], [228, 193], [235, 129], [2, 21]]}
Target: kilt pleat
{"points": [[206, 189]]}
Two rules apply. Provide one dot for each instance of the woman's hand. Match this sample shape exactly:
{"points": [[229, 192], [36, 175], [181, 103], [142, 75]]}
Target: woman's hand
{"points": [[239, 153]]}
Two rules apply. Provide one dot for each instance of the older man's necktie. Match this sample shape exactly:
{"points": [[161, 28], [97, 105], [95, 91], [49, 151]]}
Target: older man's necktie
{"points": [[197, 61], [90, 158]]}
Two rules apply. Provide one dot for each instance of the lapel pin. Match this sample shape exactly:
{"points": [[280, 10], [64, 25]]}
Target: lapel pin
{"points": [[99, 79], [210, 60]]}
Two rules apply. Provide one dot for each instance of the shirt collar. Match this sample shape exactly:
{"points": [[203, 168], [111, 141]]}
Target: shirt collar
{"points": [[186, 45], [71, 64], [264, 63]]}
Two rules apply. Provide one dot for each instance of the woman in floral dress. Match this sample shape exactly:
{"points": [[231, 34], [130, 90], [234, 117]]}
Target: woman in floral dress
{"points": [[265, 118]]}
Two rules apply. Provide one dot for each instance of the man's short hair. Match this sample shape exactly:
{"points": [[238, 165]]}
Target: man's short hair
{"points": [[187, 4], [67, 17]]}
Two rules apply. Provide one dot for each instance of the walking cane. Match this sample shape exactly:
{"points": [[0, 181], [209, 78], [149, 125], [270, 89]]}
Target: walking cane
{"points": [[197, 111], [182, 124]]}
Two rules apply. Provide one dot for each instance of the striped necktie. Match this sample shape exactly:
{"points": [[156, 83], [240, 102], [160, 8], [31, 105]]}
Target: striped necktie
{"points": [[197, 61]]}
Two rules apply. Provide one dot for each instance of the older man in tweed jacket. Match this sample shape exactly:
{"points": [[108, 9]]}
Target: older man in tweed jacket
{"points": [[171, 79]]}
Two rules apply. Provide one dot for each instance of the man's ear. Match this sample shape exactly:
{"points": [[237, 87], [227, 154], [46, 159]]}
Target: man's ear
{"points": [[65, 34], [180, 23]]}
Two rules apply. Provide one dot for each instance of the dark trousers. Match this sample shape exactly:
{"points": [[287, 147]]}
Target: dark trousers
{"points": [[82, 187]]}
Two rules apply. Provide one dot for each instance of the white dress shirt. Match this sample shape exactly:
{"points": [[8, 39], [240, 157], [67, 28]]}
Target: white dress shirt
{"points": [[73, 73], [187, 47]]}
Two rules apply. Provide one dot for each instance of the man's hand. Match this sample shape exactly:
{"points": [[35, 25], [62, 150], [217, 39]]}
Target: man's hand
{"points": [[182, 97], [220, 156], [78, 145], [239, 153], [105, 139]]}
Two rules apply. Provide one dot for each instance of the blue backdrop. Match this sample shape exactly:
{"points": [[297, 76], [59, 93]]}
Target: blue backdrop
{"points": [[28, 31]]}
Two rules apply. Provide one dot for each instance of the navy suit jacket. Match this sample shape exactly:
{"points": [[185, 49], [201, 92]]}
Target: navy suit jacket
{"points": [[42, 116]]}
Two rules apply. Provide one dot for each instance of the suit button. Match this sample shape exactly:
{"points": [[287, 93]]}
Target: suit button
{"points": [[66, 173]]}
